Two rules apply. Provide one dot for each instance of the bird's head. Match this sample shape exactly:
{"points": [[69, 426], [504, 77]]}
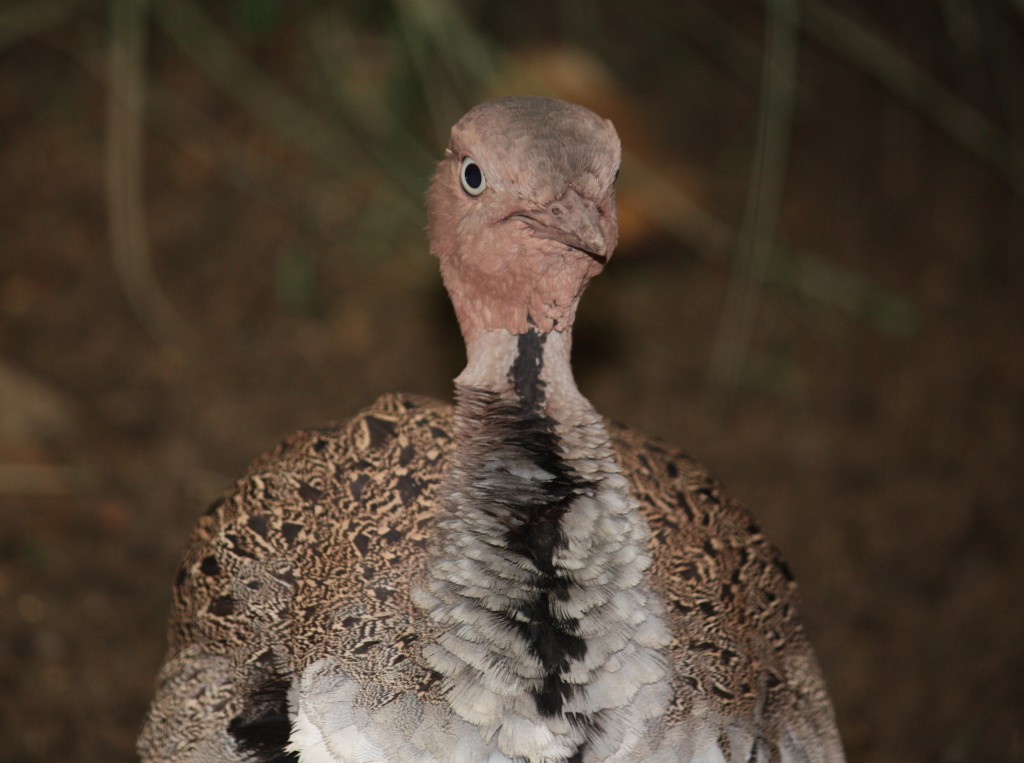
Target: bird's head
{"points": [[522, 212]]}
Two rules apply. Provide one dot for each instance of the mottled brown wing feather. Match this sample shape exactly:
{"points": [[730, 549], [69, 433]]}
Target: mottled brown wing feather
{"points": [[731, 601]]}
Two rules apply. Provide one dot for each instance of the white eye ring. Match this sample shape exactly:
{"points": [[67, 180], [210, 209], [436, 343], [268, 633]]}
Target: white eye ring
{"points": [[472, 177]]}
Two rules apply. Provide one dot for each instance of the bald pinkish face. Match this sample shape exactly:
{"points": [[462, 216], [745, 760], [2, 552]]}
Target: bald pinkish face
{"points": [[522, 212]]}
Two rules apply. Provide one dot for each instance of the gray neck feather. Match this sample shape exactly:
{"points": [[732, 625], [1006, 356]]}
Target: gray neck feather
{"points": [[550, 638]]}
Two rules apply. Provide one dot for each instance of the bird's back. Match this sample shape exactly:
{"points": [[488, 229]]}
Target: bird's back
{"points": [[296, 592]]}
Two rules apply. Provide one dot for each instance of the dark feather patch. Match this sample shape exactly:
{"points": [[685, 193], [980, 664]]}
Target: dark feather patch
{"points": [[262, 729], [525, 371]]}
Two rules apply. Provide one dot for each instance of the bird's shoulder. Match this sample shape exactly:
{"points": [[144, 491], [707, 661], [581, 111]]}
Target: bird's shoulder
{"points": [[319, 537], [738, 647]]}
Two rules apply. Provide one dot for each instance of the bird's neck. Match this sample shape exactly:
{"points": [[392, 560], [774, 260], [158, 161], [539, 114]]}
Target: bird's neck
{"points": [[536, 578], [531, 369]]}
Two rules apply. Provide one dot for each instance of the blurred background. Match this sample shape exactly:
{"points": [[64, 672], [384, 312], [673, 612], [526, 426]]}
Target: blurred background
{"points": [[211, 234]]}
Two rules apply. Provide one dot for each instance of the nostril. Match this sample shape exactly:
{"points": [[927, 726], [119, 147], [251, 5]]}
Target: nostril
{"points": [[556, 211]]}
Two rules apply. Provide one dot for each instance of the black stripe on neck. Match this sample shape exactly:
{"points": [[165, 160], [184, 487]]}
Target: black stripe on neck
{"points": [[536, 513], [525, 371]]}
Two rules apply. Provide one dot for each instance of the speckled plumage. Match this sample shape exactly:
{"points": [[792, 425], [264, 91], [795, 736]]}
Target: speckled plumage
{"points": [[512, 580], [332, 528]]}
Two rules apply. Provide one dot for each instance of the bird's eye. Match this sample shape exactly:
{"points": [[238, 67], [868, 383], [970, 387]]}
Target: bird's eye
{"points": [[473, 181]]}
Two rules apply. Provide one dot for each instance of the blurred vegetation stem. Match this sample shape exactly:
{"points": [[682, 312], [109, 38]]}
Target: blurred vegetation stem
{"points": [[764, 199], [127, 217], [951, 114]]}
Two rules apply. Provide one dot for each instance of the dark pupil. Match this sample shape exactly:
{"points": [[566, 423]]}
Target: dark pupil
{"points": [[472, 175]]}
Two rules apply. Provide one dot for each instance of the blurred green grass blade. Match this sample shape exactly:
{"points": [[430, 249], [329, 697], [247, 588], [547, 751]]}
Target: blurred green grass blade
{"points": [[955, 116], [258, 17], [845, 289], [32, 17], [766, 184], [295, 281], [217, 54]]}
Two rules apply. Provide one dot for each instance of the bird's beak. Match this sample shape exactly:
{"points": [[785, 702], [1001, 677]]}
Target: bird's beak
{"points": [[572, 220]]}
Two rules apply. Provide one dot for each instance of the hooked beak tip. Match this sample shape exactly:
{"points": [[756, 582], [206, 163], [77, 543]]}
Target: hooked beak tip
{"points": [[577, 225]]}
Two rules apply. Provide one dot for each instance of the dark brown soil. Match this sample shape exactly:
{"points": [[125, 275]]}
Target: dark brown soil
{"points": [[883, 454]]}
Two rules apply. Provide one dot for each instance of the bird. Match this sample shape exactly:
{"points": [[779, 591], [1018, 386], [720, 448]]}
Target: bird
{"points": [[509, 578]]}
